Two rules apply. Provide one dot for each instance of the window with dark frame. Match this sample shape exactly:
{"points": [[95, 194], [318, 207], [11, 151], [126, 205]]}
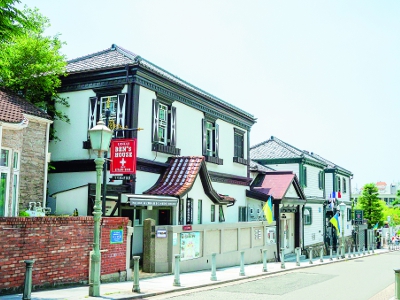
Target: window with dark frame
{"points": [[307, 216], [321, 180], [221, 214], [338, 187], [164, 127], [199, 211], [238, 147], [348, 214], [242, 217], [210, 144], [212, 213], [344, 185], [305, 176]]}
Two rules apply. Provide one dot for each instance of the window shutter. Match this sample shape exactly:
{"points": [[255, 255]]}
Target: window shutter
{"points": [[204, 145], [173, 126], [216, 140], [155, 120], [121, 108], [92, 113]]}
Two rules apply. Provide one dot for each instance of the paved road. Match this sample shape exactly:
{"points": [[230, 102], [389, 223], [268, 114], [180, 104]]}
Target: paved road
{"points": [[363, 278]]}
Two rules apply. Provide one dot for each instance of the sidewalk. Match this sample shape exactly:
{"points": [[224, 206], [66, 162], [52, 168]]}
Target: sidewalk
{"points": [[164, 284]]}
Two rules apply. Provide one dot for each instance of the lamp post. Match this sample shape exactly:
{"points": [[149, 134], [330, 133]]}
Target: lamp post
{"points": [[342, 210], [100, 137]]}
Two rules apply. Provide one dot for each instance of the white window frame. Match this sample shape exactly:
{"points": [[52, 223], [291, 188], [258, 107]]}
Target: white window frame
{"points": [[112, 102], [6, 170], [162, 124], [210, 129], [15, 188]]}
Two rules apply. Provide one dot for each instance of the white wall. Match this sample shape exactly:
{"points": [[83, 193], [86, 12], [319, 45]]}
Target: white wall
{"points": [[313, 233], [312, 188], [66, 202]]}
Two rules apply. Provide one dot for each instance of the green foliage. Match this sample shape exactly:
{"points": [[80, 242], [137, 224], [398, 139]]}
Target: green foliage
{"points": [[372, 206], [31, 65], [23, 213], [13, 22]]}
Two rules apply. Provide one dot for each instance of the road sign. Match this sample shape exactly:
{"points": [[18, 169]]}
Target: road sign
{"points": [[123, 156], [121, 177], [358, 217]]}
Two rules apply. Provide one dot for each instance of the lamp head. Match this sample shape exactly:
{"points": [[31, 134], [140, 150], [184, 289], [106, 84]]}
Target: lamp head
{"points": [[100, 137], [342, 207]]}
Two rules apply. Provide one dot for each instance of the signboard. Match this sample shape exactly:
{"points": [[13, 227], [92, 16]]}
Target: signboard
{"points": [[120, 177], [116, 236], [123, 156], [140, 202], [358, 217], [161, 233], [187, 227], [190, 245], [271, 235]]}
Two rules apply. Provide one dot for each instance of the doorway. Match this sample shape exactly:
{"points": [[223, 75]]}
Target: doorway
{"points": [[164, 217]]}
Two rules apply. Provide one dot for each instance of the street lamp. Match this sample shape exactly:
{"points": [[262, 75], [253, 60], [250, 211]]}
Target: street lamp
{"points": [[342, 207], [100, 137]]}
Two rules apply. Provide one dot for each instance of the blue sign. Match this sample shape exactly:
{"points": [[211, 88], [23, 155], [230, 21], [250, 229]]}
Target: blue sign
{"points": [[116, 236]]}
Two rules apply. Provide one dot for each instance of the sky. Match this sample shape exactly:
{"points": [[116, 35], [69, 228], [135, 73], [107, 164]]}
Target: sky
{"points": [[322, 76]]}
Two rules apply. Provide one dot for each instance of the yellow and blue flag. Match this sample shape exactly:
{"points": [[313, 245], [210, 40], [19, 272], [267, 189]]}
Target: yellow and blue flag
{"points": [[376, 226], [267, 208], [335, 222]]}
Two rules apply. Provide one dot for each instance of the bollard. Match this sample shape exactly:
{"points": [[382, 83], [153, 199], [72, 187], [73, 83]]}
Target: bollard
{"points": [[264, 260], [241, 273], [354, 250], [28, 280], [368, 246], [349, 255], [330, 253], [321, 254], [136, 287], [359, 250], [373, 247], [213, 267], [397, 284], [337, 252], [311, 254], [282, 259], [177, 281], [298, 249], [363, 250]]}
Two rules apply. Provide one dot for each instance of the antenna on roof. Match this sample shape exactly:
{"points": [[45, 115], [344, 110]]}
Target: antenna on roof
{"points": [[113, 46]]}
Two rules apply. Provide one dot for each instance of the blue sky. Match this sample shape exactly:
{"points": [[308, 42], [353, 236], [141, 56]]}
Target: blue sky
{"points": [[322, 76]]}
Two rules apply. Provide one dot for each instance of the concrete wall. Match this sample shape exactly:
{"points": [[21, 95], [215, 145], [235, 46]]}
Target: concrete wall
{"points": [[226, 240]]}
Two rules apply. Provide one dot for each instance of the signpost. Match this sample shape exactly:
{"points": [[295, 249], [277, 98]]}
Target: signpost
{"points": [[358, 217], [123, 156]]}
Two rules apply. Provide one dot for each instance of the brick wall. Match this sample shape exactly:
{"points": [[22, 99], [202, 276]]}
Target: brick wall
{"points": [[60, 249]]}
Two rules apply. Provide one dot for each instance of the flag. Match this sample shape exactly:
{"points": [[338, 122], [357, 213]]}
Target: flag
{"points": [[376, 226], [339, 194], [267, 208], [335, 222], [333, 195]]}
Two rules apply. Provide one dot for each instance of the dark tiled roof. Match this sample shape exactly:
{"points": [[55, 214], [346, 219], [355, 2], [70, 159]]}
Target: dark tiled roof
{"points": [[116, 56], [12, 108], [274, 148], [180, 176], [276, 184], [330, 165]]}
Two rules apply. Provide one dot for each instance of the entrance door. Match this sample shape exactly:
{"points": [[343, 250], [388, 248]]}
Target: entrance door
{"points": [[164, 217], [287, 232]]}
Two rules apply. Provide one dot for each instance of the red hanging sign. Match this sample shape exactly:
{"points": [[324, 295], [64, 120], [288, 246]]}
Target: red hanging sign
{"points": [[123, 156]]}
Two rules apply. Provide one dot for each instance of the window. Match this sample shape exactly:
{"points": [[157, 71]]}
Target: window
{"points": [[4, 158], [242, 214], [109, 103], [321, 180], [221, 214], [307, 216], [305, 176], [199, 212], [4, 180], [213, 213], [338, 187], [211, 141], [344, 185], [98, 105], [348, 214], [15, 182], [164, 128], [238, 147]]}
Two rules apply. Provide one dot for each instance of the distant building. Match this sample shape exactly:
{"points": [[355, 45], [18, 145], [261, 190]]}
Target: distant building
{"points": [[383, 193]]}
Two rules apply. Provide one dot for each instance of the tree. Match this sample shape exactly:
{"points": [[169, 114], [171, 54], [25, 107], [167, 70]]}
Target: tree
{"points": [[31, 65], [13, 22], [396, 202], [371, 204]]}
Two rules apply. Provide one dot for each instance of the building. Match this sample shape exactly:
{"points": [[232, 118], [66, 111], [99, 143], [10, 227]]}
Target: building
{"points": [[24, 136], [318, 179], [192, 154]]}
